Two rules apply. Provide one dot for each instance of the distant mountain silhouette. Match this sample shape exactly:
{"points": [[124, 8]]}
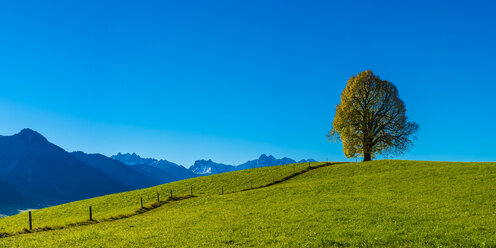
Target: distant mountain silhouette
{"points": [[117, 170], [133, 158], [9, 195], [307, 160], [199, 168], [159, 175], [164, 168], [45, 174], [263, 161], [10, 199], [208, 167]]}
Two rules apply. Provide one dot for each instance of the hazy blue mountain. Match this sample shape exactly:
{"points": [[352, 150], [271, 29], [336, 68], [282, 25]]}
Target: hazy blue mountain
{"points": [[208, 167], [157, 174], [307, 160], [117, 170], [45, 174], [199, 168], [10, 200], [132, 159], [178, 171], [263, 161], [172, 170], [10, 196]]}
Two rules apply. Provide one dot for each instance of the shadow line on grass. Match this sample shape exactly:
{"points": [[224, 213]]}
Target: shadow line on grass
{"points": [[309, 168]]}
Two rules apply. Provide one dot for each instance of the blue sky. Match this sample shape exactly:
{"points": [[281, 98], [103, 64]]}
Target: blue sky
{"points": [[229, 80]]}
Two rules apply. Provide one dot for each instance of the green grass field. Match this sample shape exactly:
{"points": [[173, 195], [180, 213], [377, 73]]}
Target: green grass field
{"points": [[379, 203]]}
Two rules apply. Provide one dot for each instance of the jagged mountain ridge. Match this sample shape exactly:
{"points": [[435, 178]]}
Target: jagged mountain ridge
{"points": [[208, 167], [117, 170], [263, 161], [203, 166], [172, 170]]}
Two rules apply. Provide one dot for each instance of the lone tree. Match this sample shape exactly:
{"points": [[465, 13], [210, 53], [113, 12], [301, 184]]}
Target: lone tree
{"points": [[370, 119]]}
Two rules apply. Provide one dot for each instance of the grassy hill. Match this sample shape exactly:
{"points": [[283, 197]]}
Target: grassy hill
{"points": [[379, 203]]}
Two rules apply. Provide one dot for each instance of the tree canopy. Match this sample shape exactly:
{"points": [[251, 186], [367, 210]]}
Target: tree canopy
{"points": [[371, 119]]}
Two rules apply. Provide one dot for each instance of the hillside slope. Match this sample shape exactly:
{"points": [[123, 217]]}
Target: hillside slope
{"points": [[11, 199], [116, 170], [124, 203], [162, 170], [379, 203]]}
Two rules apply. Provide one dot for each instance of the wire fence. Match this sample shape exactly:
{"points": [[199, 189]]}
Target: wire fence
{"points": [[144, 208]]}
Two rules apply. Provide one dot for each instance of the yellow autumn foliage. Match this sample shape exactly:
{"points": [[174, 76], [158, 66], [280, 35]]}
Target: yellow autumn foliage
{"points": [[370, 119]]}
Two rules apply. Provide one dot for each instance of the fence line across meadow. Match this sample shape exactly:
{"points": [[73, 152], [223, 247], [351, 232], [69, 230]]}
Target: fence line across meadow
{"points": [[156, 204]]}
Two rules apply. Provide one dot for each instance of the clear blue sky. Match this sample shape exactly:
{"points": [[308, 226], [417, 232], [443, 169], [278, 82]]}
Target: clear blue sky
{"points": [[229, 80]]}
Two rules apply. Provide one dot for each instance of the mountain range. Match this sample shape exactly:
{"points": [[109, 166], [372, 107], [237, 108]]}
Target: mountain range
{"points": [[209, 167], [160, 169], [35, 173]]}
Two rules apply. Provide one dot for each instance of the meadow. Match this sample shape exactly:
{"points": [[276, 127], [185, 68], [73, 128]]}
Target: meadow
{"points": [[388, 203], [122, 204]]}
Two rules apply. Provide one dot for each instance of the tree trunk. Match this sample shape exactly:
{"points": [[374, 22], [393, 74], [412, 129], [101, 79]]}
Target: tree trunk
{"points": [[367, 149], [366, 156]]}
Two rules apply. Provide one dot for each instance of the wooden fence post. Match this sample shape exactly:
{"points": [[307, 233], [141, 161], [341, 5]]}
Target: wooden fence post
{"points": [[141, 202], [222, 190], [91, 215], [30, 221], [171, 193], [158, 197], [191, 191]]}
